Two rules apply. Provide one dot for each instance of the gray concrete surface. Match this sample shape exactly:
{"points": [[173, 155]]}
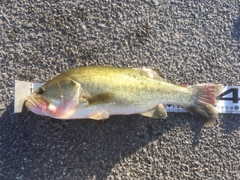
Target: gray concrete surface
{"points": [[190, 41]]}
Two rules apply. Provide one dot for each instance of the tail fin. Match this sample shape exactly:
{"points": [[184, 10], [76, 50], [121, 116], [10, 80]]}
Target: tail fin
{"points": [[203, 102]]}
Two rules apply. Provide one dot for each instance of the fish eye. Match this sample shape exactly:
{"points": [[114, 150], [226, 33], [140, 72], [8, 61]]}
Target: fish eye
{"points": [[40, 90]]}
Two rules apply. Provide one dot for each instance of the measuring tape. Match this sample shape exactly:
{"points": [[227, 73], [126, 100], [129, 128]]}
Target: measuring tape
{"points": [[228, 101]]}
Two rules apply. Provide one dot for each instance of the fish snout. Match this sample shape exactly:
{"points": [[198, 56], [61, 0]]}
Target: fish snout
{"points": [[37, 106]]}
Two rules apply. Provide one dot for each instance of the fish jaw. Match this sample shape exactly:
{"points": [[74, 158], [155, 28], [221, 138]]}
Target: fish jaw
{"points": [[37, 106], [61, 108], [44, 108]]}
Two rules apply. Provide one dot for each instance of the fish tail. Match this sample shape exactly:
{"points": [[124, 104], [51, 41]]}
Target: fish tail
{"points": [[204, 100]]}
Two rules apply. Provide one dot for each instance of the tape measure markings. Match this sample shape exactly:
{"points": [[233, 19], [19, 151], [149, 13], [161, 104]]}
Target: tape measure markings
{"points": [[228, 101]]}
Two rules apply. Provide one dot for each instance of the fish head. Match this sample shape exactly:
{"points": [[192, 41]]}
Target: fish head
{"points": [[57, 99]]}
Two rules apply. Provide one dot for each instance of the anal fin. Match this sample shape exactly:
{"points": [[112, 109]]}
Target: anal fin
{"points": [[159, 112]]}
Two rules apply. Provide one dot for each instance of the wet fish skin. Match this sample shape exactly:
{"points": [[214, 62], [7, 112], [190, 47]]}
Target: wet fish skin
{"points": [[96, 92]]}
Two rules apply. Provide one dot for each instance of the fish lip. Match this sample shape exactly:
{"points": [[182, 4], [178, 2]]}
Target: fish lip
{"points": [[30, 100], [32, 104]]}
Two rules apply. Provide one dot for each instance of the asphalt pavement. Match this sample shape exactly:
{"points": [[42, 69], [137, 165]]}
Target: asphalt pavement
{"points": [[189, 41]]}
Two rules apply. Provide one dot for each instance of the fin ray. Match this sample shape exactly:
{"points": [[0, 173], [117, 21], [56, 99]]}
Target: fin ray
{"points": [[99, 98], [204, 99], [152, 72], [158, 112], [99, 115]]}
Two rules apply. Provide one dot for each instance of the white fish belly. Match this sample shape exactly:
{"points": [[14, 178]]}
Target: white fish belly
{"points": [[86, 112]]}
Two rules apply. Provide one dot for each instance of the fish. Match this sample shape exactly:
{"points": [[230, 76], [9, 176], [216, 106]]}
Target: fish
{"points": [[96, 92]]}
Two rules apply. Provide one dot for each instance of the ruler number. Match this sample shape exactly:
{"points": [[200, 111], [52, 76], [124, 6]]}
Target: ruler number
{"points": [[234, 97]]}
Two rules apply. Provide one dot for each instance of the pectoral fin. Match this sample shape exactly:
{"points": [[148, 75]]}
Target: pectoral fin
{"points": [[99, 98], [99, 115], [158, 112]]}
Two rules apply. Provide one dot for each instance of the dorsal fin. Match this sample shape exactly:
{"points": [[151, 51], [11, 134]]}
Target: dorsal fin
{"points": [[152, 72]]}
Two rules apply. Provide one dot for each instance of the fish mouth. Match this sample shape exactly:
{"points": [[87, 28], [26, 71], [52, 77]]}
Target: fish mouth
{"points": [[37, 106], [29, 103]]}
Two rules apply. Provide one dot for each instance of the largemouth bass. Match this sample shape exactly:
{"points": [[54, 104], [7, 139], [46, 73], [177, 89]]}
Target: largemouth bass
{"points": [[96, 92]]}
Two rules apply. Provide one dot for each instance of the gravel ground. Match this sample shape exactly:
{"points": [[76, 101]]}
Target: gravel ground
{"points": [[190, 41]]}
